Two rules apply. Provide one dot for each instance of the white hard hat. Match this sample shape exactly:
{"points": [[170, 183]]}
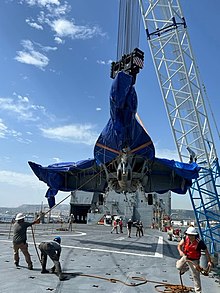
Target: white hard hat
{"points": [[191, 231], [19, 216]]}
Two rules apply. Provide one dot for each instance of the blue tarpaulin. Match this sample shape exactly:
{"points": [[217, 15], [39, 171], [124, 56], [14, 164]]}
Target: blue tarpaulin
{"points": [[123, 130], [122, 134]]}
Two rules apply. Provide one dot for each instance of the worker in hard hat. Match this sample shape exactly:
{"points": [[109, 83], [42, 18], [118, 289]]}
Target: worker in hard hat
{"points": [[20, 239], [53, 250], [71, 221], [190, 251]]}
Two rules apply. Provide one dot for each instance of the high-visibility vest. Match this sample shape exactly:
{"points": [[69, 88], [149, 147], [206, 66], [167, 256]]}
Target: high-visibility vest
{"points": [[190, 249]]}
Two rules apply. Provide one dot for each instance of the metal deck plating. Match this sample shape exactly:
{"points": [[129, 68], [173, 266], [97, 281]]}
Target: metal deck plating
{"points": [[94, 260]]}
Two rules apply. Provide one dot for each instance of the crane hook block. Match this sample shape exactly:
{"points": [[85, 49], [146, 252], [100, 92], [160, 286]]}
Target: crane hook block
{"points": [[130, 64]]}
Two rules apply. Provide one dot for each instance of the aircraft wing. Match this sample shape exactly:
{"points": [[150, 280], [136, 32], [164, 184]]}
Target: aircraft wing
{"points": [[83, 175], [157, 175], [164, 175]]}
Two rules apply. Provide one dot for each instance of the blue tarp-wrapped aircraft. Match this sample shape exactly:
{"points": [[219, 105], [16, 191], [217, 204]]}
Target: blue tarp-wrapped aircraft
{"points": [[124, 156]]}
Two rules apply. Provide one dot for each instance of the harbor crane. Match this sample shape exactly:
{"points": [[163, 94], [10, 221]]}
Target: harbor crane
{"points": [[183, 96]]}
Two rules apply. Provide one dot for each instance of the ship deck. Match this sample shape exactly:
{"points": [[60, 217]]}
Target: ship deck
{"points": [[94, 260]]}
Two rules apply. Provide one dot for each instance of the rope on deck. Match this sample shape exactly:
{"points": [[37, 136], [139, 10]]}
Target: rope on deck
{"points": [[168, 288]]}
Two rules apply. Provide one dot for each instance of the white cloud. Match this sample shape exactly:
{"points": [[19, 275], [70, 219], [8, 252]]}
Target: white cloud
{"points": [[20, 179], [3, 129], [33, 58], [98, 109], [48, 48], [57, 160], [59, 10], [34, 24], [6, 132], [55, 14], [167, 154], [24, 140], [74, 133], [42, 2], [22, 109], [24, 77], [22, 99], [66, 28], [102, 62], [30, 56], [59, 40], [27, 44]]}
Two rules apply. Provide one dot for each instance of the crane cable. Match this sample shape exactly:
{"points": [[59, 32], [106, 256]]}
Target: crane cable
{"points": [[210, 108], [209, 104], [128, 27]]}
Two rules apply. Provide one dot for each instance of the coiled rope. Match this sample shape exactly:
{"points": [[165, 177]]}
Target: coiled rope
{"points": [[169, 288]]}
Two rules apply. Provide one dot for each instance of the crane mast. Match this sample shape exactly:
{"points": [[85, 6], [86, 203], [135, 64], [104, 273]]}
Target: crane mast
{"points": [[178, 77]]}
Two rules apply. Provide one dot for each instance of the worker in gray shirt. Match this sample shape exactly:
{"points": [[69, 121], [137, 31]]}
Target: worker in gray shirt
{"points": [[53, 250], [20, 239]]}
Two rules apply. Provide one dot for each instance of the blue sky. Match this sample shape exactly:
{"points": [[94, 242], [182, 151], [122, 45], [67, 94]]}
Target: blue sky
{"points": [[55, 80]]}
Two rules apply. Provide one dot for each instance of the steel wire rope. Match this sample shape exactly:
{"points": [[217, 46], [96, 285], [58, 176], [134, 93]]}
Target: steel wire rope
{"points": [[128, 27], [209, 104]]}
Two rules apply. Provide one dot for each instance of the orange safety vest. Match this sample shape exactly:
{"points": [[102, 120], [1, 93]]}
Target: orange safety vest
{"points": [[190, 249]]}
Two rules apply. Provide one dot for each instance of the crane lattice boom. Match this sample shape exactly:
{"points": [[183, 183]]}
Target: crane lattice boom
{"points": [[181, 89]]}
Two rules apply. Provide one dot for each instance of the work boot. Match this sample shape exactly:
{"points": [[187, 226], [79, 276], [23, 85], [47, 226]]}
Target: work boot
{"points": [[30, 267], [44, 271], [59, 271], [58, 268], [61, 277], [52, 270]]}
